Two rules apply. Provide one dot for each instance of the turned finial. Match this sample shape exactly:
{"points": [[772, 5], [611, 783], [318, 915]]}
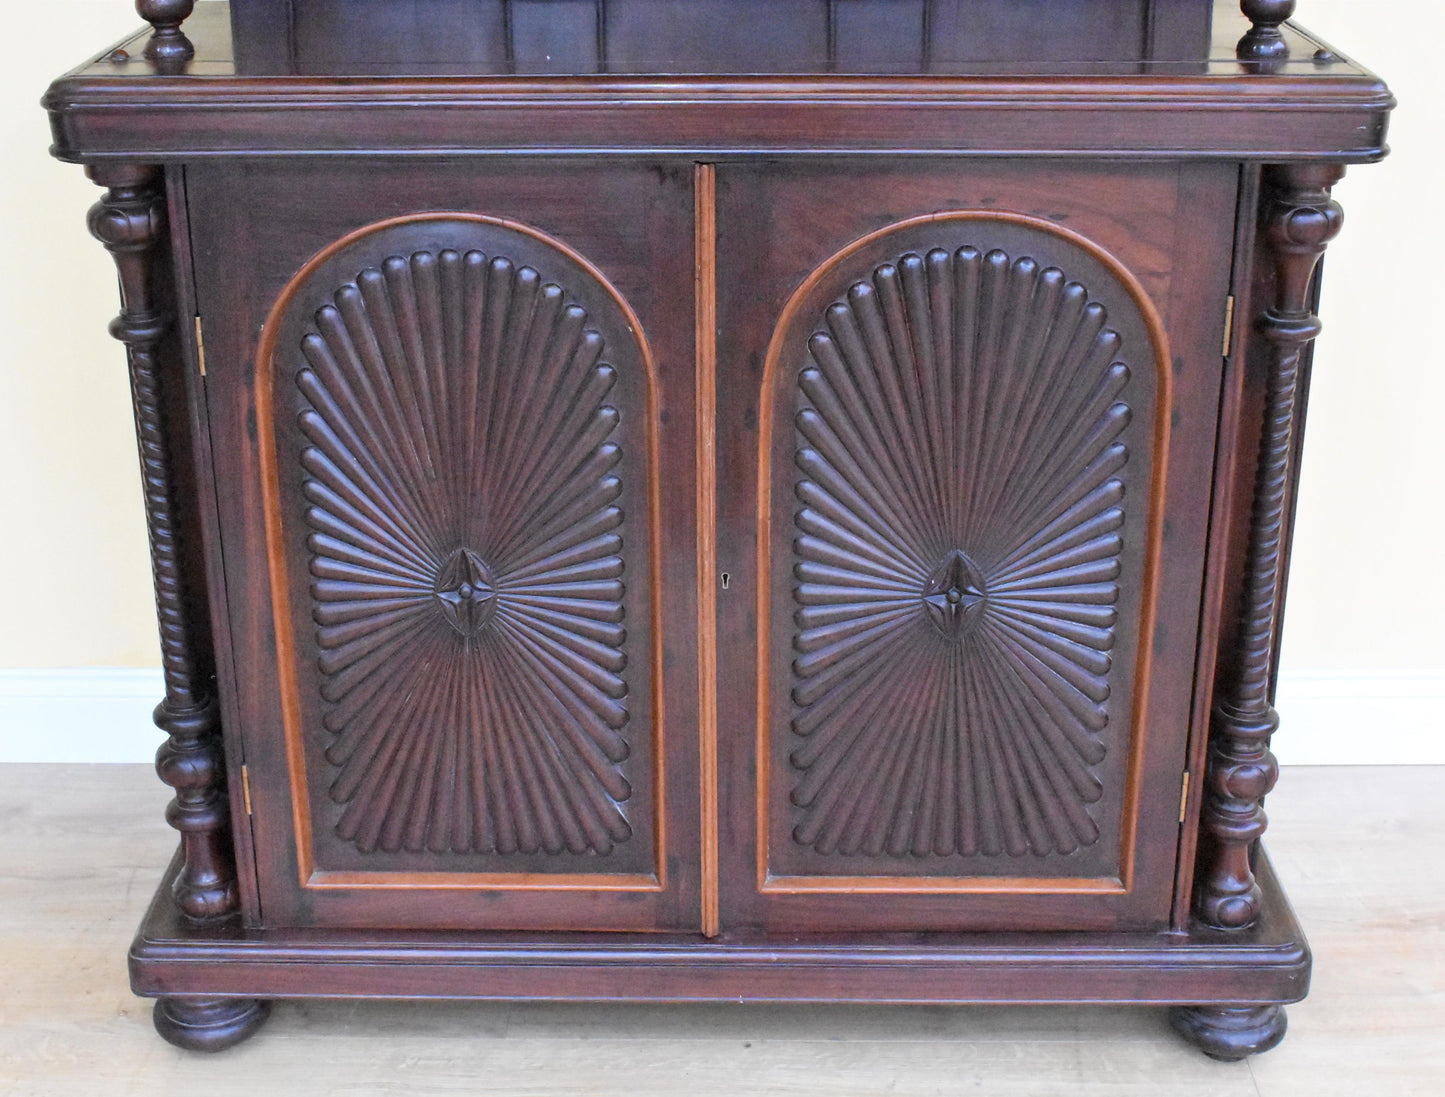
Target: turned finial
{"points": [[167, 44], [1264, 41]]}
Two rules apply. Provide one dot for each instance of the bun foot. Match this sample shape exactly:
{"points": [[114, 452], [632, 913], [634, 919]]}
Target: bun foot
{"points": [[1230, 1033], [208, 1024]]}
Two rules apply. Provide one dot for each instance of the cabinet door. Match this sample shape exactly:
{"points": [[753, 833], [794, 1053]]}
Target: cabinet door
{"points": [[967, 426], [436, 392]]}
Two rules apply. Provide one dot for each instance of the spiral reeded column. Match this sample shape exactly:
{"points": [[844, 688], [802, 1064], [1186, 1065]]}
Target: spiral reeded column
{"points": [[129, 221], [1300, 218]]}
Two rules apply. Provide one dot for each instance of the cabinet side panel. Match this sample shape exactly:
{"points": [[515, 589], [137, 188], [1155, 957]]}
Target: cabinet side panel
{"points": [[1224, 542], [208, 534]]}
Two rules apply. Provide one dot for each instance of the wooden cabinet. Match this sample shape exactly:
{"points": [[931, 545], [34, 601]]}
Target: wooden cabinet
{"points": [[965, 463], [468, 540], [632, 534]]}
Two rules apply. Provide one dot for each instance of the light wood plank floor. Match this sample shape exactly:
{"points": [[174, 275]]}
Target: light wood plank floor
{"points": [[81, 848]]}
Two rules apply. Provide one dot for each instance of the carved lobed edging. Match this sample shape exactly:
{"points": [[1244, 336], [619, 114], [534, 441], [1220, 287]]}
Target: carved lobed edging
{"points": [[919, 506], [129, 221], [1300, 219], [466, 520], [567, 648], [930, 555]]}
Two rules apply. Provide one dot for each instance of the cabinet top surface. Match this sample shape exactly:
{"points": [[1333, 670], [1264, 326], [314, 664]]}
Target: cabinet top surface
{"points": [[805, 57], [682, 38]]}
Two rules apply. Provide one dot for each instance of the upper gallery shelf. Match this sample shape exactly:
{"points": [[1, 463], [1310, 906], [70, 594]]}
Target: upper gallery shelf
{"points": [[1155, 78], [715, 37]]}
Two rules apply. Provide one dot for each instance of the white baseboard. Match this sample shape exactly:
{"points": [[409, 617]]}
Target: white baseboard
{"points": [[1330, 718], [103, 714], [79, 714]]}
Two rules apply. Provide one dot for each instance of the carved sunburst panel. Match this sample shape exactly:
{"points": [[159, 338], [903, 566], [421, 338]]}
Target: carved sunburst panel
{"points": [[460, 419], [967, 485]]}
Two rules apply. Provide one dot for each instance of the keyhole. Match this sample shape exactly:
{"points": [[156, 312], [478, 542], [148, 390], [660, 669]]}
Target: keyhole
{"points": [[726, 579]]}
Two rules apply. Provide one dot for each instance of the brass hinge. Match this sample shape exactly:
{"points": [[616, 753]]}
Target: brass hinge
{"points": [[1183, 797], [200, 347], [246, 787], [1228, 325]]}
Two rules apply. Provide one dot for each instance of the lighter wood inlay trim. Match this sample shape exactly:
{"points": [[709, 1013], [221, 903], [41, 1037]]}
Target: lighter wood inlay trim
{"points": [[471, 881], [767, 883], [705, 216], [944, 885]]}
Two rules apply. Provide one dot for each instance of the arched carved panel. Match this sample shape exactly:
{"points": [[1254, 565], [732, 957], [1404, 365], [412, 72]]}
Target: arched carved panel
{"points": [[969, 489], [462, 460]]}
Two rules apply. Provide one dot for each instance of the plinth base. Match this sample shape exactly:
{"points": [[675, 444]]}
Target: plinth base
{"points": [[1232, 981]]}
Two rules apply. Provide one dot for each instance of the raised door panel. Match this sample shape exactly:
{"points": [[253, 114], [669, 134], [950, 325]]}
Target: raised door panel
{"points": [[456, 471], [974, 564], [461, 445], [964, 544]]}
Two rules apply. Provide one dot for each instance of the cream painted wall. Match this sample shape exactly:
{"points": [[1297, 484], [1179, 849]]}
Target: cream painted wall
{"points": [[1367, 595], [72, 548], [1367, 589]]}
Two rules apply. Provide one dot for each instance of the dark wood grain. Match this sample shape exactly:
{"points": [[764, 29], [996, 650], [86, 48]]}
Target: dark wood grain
{"points": [[473, 508], [1299, 220], [1267, 964], [810, 213], [1221, 552], [713, 499], [928, 412], [130, 222], [541, 36], [1110, 77], [1230, 1033], [1343, 121], [168, 46], [1264, 41], [358, 37], [208, 1024], [299, 741]]}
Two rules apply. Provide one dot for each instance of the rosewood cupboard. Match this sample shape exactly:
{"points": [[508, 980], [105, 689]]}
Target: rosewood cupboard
{"points": [[682, 501]]}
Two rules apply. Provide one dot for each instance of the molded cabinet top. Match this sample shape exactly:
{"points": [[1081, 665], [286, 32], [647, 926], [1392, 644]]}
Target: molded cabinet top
{"points": [[1127, 77]]}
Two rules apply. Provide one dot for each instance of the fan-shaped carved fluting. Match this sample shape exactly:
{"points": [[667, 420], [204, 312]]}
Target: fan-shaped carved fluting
{"points": [[958, 437], [466, 569]]}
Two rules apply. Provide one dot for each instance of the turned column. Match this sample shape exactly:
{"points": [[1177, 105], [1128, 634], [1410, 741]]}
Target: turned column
{"points": [[1264, 40], [1300, 218], [129, 221], [168, 45]]}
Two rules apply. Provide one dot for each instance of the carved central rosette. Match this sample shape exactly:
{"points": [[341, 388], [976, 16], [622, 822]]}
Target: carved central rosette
{"points": [[955, 596], [957, 555], [466, 592]]}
